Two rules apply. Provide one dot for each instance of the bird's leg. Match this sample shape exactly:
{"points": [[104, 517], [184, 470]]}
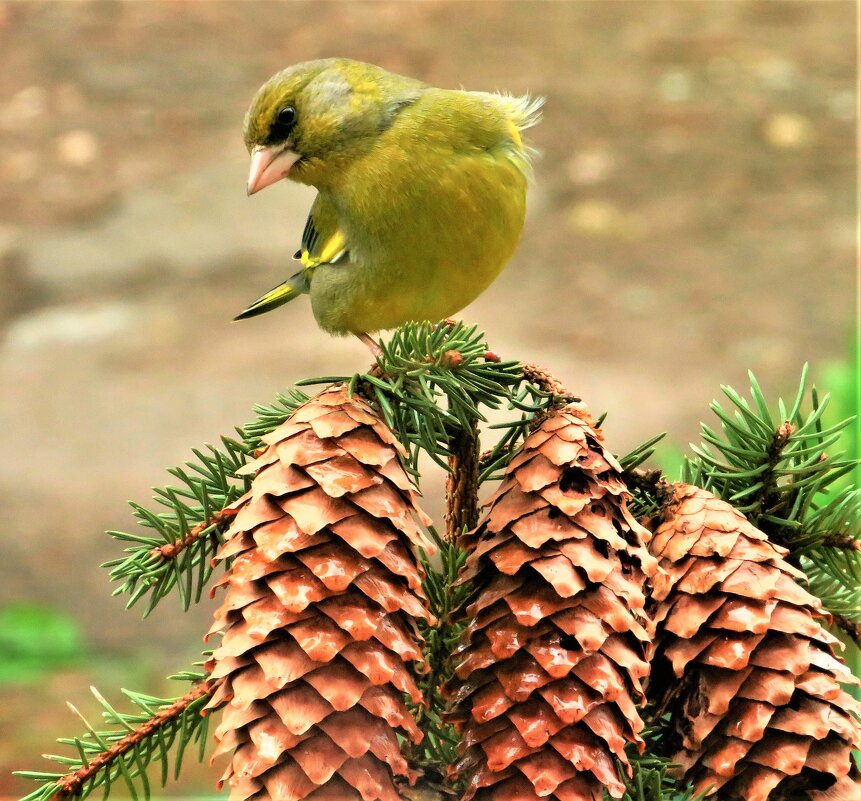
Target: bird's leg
{"points": [[371, 344]]}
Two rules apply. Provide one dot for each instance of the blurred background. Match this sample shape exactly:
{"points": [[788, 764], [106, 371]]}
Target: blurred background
{"points": [[693, 216]]}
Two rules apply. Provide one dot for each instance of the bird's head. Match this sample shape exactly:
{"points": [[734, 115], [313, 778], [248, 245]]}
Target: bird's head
{"points": [[311, 120]]}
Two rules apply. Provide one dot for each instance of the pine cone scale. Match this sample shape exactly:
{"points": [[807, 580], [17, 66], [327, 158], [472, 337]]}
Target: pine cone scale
{"points": [[550, 665], [758, 715], [319, 620]]}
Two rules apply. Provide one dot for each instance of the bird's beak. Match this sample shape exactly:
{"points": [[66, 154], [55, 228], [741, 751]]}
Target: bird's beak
{"points": [[268, 166]]}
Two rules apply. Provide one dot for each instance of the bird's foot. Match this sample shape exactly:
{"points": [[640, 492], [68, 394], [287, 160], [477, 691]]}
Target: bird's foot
{"points": [[371, 344]]}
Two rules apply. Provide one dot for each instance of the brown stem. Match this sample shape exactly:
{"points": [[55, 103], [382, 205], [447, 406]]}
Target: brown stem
{"points": [[461, 489], [220, 521], [651, 481], [768, 498], [71, 785], [545, 380], [843, 541], [426, 790], [848, 625]]}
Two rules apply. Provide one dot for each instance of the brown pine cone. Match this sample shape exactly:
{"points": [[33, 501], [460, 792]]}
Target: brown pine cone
{"points": [[744, 665], [319, 620], [549, 675]]}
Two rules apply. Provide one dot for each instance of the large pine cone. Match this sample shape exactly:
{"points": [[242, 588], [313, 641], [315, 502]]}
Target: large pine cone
{"points": [[319, 619], [549, 675], [744, 664]]}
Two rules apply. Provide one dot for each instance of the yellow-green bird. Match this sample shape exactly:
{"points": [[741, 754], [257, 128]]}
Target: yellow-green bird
{"points": [[421, 191]]}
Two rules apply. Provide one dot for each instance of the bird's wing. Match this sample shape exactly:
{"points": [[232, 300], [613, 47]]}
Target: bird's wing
{"points": [[323, 242], [291, 288]]}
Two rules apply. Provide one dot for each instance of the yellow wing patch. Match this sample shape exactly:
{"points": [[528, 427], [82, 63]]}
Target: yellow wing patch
{"points": [[331, 251], [336, 245]]}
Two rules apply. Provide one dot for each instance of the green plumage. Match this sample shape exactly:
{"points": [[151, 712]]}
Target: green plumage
{"points": [[422, 191]]}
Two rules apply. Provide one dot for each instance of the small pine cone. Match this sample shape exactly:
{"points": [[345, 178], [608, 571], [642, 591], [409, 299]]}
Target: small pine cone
{"points": [[743, 663], [548, 677], [319, 619]]}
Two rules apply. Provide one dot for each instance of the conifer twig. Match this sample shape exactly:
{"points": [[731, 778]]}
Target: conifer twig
{"points": [[843, 541], [768, 498], [544, 380], [218, 522], [849, 626], [70, 786], [650, 480], [461, 488]]}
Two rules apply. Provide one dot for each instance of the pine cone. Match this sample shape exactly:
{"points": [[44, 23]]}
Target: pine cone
{"points": [[551, 665], [319, 619], [759, 712]]}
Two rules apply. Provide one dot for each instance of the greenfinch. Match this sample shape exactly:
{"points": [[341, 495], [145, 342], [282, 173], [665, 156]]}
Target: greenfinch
{"points": [[421, 191]]}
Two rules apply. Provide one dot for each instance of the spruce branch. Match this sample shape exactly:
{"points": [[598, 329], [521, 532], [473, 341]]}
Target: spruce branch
{"points": [[652, 778], [530, 401], [446, 598], [773, 472], [545, 383], [267, 417], [545, 380], [187, 536], [539, 391], [649, 488], [843, 541], [780, 471], [462, 483], [638, 455], [837, 583], [212, 527], [767, 499], [851, 627], [127, 750], [431, 379]]}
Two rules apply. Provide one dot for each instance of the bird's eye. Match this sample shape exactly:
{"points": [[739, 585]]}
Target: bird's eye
{"points": [[284, 119], [287, 116], [283, 124]]}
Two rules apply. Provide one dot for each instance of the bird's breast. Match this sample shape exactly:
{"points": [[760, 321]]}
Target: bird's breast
{"points": [[423, 244]]}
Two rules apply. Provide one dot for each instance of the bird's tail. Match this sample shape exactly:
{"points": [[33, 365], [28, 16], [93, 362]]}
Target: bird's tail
{"points": [[293, 287]]}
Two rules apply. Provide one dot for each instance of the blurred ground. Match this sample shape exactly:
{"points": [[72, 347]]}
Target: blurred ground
{"points": [[693, 216]]}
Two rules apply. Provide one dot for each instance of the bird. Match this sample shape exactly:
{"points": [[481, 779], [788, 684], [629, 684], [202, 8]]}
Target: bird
{"points": [[421, 192]]}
